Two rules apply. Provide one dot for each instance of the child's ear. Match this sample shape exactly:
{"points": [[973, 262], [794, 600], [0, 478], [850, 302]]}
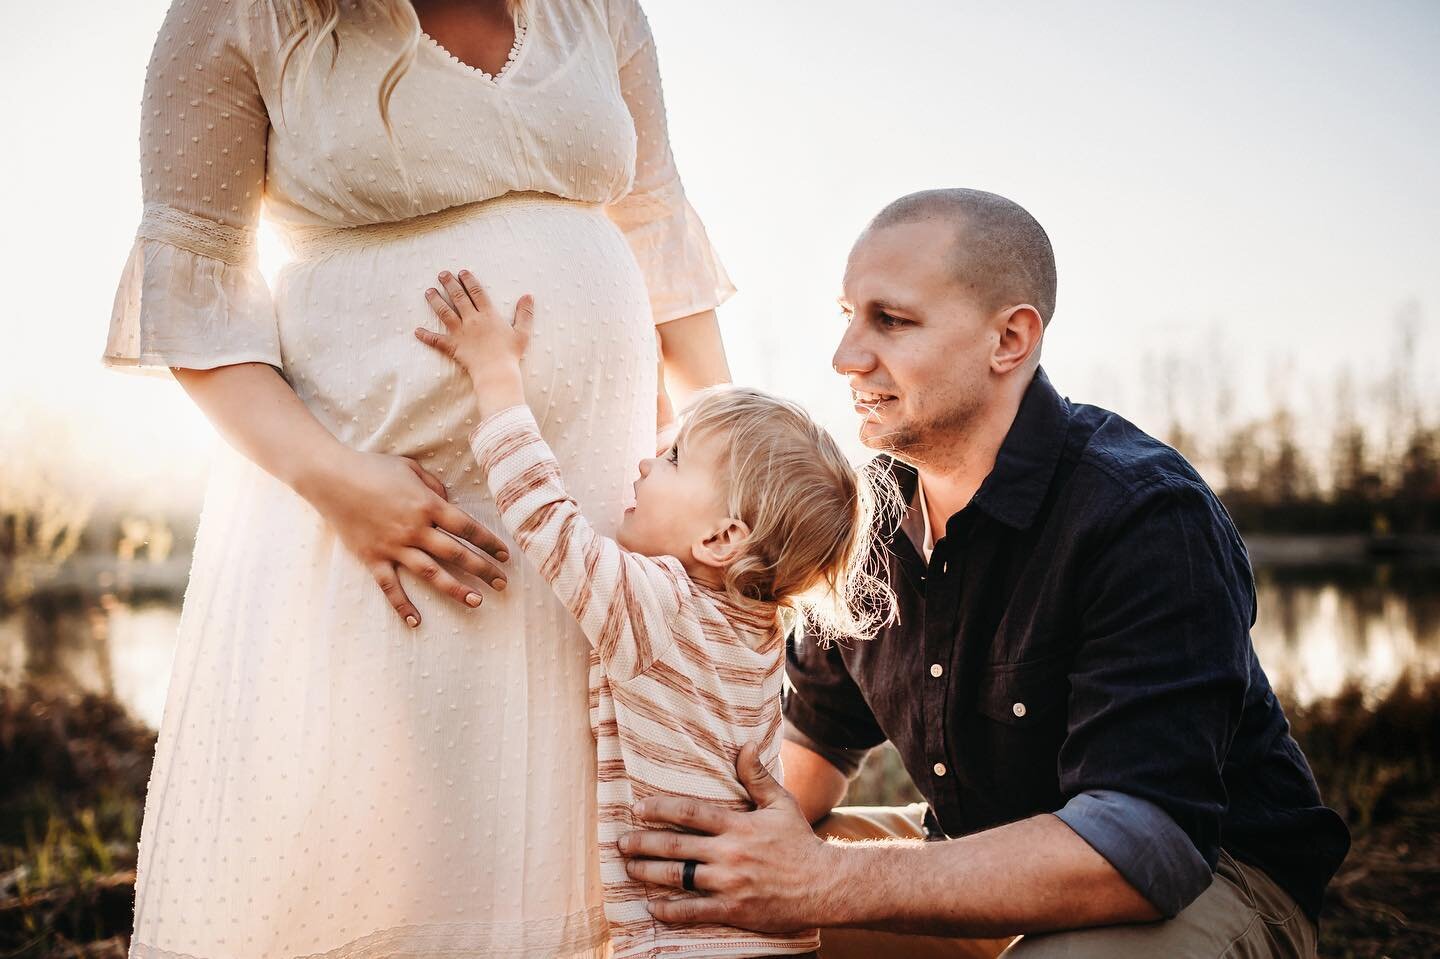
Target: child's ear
{"points": [[722, 547]]}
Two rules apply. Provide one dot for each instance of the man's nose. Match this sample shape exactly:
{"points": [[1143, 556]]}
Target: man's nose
{"points": [[852, 356]]}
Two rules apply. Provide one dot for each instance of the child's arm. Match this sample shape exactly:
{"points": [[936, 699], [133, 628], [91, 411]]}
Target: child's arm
{"points": [[625, 603]]}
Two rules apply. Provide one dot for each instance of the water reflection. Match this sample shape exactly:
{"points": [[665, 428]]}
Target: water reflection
{"points": [[1318, 630], [104, 646]]}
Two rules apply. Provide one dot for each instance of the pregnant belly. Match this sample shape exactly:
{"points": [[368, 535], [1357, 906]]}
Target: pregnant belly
{"points": [[347, 309]]}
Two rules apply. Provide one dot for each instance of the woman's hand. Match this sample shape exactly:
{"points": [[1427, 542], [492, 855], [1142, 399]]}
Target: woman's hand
{"points": [[391, 513]]}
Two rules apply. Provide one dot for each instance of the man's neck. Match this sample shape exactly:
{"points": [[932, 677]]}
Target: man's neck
{"points": [[949, 480]]}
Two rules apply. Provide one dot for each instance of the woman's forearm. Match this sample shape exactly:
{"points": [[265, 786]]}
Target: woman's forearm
{"points": [[386, 509], [692, 356], [258, 414]]}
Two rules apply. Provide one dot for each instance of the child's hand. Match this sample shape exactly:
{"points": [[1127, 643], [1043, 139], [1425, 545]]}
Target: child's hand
{"points": [[487, 346], [478, 338]]}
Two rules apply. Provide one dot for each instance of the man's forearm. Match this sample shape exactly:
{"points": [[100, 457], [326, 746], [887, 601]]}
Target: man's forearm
{"points": [[1034, 875]]}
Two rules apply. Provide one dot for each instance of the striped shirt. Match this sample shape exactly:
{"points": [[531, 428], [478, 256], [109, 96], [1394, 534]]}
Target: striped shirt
{"points": [[680, 678]]}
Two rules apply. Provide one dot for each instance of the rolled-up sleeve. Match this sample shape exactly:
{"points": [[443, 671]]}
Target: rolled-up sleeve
{"points": [[1144, 845], [1157, 689]]}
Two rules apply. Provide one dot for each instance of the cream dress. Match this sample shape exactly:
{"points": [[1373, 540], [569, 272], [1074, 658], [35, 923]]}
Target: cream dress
{"points": [[328, 782]]}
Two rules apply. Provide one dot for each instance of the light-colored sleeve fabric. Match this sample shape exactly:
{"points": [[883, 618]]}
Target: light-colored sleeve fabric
{"points": [[682, 271], [625, 603], [191, 294]]}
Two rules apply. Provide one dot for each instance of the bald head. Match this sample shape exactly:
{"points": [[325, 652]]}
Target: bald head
{"points": [[1000, 250]]}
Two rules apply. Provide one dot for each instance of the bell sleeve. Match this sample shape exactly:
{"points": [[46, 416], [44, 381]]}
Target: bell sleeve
{"points": [[191, 294], [682, 271]]}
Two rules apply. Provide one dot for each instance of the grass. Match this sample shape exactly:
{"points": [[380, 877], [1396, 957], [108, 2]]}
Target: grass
{"points": [[73, 771]]}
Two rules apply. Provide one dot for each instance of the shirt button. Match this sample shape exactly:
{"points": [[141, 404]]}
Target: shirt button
{"points": [[939, 769], [1018, 709], [936, 670]]}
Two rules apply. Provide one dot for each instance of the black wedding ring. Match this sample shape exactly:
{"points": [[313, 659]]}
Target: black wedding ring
{"points": [[687, 876]]}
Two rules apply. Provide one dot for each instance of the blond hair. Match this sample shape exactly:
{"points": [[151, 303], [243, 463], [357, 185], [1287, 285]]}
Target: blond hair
{"points": [[313, 22], [814, 520]]}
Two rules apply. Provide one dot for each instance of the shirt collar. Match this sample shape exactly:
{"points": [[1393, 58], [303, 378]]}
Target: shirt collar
{"points": [[1025, 465], [1017, 485]]}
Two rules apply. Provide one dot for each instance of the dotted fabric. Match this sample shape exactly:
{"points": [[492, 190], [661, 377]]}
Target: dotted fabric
{"points": [[328, 782]]}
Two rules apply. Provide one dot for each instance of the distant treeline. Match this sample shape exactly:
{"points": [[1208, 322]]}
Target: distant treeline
{"points": [[1354, 457]]}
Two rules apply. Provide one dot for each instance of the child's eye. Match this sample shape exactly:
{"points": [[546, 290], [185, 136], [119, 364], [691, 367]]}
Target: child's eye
{"points": [[673, 454]]}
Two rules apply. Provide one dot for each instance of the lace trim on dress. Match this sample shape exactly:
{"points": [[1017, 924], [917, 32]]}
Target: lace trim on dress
{"points": [[521, 28], [579, 935], [196, 234], [307, 242]]}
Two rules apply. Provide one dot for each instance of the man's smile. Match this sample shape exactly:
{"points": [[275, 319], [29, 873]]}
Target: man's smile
{"points": [[867, 402]]}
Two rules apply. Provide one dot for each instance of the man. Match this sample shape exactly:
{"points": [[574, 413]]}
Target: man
{"points": [[1070, 680]]}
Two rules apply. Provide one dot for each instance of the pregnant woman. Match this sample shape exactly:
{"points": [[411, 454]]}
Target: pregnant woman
{"points": [[352, 763]]}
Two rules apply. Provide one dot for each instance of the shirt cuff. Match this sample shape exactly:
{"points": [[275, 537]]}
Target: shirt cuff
{"points": [[1144, 845]]}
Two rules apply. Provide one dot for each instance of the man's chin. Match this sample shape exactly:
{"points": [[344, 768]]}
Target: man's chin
{"points": [[884, 437], [876, 434]]}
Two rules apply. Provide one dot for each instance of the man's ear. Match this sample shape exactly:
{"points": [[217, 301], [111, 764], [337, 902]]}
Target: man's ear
{"points": [[723, 546], [1021, 330]]}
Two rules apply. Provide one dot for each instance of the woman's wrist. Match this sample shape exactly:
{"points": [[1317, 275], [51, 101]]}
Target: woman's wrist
{"points": [[313, 474]]}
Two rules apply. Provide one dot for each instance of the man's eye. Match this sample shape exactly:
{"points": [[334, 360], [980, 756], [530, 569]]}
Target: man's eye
{"points": [[888, 321]]}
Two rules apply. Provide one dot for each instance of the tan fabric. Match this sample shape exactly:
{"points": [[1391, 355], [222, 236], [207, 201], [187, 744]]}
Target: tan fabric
{"points": [[1243, 915]]}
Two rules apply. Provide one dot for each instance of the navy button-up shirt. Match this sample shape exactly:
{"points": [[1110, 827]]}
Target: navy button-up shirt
{"points": [[1078, 643]]}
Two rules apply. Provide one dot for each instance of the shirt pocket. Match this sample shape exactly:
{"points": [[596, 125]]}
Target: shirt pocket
{"points": [[1015, 733], [1026, 695]]}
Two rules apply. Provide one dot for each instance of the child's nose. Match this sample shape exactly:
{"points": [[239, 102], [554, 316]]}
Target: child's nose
{"points": [[645, 467]]}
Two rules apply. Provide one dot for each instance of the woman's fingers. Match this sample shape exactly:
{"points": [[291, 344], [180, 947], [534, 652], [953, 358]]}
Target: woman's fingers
{"points": [[428, 478], [457, 522], [459, 554], [389, 583], [428, 568]]}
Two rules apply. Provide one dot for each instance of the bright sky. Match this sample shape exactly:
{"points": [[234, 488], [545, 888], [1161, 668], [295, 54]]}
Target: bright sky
{"points": [[1258, 175]]}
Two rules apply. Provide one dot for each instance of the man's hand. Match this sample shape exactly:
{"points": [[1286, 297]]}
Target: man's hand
{"points": [[763, 870]]}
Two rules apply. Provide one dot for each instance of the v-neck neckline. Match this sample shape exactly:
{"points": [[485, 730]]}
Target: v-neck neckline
{"points": [[517, 47]]}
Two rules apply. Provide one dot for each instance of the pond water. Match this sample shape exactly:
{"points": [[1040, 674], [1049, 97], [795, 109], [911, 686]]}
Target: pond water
{"points": [[1318, 631]]}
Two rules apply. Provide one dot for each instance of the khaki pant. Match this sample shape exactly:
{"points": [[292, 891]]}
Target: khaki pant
{"points": [[1243, 915]]}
